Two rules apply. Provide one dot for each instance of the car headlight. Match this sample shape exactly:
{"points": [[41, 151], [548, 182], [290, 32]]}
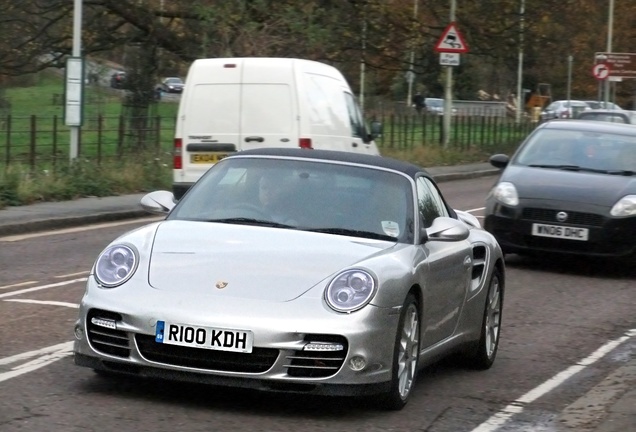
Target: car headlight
{"points": [[625, 206], [116, 265], [506, 193], [350, 290]]}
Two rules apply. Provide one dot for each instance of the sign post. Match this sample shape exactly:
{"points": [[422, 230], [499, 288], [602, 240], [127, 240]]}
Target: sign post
{"points": [[449, 46]]}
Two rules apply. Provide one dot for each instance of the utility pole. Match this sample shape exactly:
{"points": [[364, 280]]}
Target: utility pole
{"points": [[448, 91], [520, 65], [410, 75], [77, 53], [610, 25]]}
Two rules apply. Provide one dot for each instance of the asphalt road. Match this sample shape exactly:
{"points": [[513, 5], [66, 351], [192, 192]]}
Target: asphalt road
{"points": [[557, 314]]}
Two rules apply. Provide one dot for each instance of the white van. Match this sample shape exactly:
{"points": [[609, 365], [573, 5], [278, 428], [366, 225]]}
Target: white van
{"points": [[234, 104]]}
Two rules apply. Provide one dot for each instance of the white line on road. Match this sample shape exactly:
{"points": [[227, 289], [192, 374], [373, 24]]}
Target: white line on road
{"points": [[43, 302], [475, 209], [46, 357], [20, 237], [499, 419], [38, 288], [18, 284], [71, 275]]}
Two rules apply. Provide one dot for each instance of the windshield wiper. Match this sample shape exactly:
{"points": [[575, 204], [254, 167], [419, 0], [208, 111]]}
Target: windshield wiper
{"points": [[251, 221], [571, 168], [622, 172], [352, 232]]}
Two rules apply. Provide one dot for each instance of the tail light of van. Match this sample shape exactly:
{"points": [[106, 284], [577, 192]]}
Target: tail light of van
{"points": [[177, 160], [305, 143]]}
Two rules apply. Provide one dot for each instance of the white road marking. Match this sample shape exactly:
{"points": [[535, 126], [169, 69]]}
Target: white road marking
{"points": [[475, 209], [499, 419], [20, 237], [42, 287], [44, 357], [45, 302], [18, 284], [71, 275]]}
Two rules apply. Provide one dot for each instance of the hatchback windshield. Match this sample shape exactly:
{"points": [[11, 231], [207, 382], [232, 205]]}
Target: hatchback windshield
{"points": [[573, 149], [316, 196]]}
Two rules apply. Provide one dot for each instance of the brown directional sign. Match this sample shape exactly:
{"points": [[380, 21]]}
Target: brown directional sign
{"points": [[620, 65]]}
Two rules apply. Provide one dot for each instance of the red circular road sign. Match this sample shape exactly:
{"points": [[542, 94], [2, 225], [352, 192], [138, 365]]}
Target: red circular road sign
{"points": [[601, 71]]}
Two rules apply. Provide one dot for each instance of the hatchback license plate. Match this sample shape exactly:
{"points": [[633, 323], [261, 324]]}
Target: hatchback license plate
{"points": [[204, 337], [205, 158], [558, 231]]}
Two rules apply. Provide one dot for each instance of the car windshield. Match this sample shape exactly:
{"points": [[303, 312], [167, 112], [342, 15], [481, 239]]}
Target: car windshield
{"points": [[580, 150], [173, 81], [334, 198]]}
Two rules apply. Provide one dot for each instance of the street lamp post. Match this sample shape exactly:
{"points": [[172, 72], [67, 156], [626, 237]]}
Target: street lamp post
{"points": [[77, 53], [610, 25]]}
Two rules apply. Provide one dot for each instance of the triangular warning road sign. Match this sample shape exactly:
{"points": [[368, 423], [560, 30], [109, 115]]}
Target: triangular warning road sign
{"points": [[451, 41]]}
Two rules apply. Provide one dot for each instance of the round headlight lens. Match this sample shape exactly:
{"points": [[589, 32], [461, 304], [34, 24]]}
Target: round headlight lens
{"points": [[116, 265], [350, 290]]}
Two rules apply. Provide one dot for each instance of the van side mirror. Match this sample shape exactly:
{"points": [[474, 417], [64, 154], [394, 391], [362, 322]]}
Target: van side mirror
{"points": [[376, 129]]}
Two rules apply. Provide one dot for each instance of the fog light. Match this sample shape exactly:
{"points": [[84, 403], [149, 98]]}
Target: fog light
{"points": [[79, 333], [357, 363], [323, 346]]}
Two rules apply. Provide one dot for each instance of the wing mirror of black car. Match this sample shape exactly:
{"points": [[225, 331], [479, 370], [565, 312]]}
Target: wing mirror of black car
{"points": [[499, 160], [376, 129]]}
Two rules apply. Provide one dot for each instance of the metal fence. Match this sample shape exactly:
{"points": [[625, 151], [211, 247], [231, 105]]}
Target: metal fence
{"points": [[35, 140]]}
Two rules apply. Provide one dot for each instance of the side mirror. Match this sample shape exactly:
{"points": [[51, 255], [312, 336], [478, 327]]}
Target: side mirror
{"points": [[445, 229], [376, 129], [158, 202]]}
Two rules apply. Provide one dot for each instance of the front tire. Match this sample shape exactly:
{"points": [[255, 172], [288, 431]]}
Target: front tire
{"points": [[482, 356], [405, 356]]}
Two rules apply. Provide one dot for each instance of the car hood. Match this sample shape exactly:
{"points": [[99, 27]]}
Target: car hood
{"points": [[574, 186], [253, 262]]}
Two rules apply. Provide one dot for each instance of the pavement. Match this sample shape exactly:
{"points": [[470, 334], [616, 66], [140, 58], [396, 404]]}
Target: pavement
{"points": [[610, 406]]}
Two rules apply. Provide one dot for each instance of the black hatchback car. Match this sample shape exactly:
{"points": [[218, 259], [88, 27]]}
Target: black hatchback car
{"points": [[569, 188]]}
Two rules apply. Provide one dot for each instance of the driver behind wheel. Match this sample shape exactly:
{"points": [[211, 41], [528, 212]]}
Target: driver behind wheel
{"points": [[273, 192]]}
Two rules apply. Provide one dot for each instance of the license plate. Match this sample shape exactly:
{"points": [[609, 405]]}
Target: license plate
{"points": [[558, 231], [204, 337], [206, 158]]}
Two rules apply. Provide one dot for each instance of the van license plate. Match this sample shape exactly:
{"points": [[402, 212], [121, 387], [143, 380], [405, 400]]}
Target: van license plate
{"points": [[557, 231], [204, 337], [206, 158]]}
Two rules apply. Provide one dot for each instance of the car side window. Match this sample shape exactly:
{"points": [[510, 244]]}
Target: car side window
{"points": [[429, 201]]}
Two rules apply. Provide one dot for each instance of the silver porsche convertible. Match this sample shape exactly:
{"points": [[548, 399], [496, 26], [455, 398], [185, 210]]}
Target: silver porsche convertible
{"points": [[297, 270]]}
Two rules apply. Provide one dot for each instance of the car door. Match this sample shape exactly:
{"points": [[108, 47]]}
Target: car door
{"points": [[445, 273]]}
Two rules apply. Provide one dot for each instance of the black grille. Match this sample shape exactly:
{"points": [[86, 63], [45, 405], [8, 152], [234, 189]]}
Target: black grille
{"points": [[106, 340], [259, 360], [317, 364], [574, 218]]}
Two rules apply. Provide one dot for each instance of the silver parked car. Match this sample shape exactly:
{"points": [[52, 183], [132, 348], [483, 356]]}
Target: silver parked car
{"points": [[564, 109], [297, 270]]}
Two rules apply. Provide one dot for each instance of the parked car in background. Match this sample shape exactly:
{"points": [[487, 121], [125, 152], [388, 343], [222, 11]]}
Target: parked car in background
{"points": [[570, 188], [118, 80], [595, 104], [563, 109], [435, 106], [172, 85], [610, 115], [287, 269]]}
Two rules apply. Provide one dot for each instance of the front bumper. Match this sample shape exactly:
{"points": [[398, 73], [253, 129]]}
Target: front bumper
{"points": [[281, 330], [608, 237]]}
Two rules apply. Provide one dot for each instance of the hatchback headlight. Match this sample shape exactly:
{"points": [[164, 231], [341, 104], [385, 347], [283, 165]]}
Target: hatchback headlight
{"points": [[506, 193], [625, 206], [350, 290], [116, 265]]}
